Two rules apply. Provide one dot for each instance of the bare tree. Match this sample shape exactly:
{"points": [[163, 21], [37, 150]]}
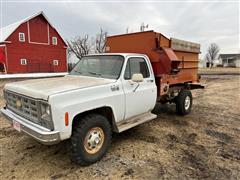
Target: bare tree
{"points": [[69, 51], [83, 45], [100, 41], [80, 46], [212, 53]]}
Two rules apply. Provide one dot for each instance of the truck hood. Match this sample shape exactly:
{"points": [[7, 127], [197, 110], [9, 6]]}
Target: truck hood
{"points": [[43, 88]]}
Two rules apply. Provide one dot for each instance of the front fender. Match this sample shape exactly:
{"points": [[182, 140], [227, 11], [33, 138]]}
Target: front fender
{"points": [[85, 100]]}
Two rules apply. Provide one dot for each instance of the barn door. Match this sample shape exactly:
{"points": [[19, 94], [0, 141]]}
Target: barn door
{"points": [[38, 66], [45, 67], [33, 66]]}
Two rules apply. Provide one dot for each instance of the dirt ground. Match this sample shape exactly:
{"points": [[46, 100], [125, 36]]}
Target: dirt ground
{"points": [[204, 144]]}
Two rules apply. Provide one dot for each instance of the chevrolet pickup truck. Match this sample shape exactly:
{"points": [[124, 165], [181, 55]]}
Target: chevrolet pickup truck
{"points": [[104, 93]]}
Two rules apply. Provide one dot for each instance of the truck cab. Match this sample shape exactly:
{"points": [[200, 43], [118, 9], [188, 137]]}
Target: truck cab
{"points": [[104, 93]]}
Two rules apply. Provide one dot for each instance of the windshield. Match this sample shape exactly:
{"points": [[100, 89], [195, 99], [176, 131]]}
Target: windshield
{"points": [[99, 66]]}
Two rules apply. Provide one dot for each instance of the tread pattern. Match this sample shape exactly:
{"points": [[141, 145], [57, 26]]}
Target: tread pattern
{"points": [[180, 100], [79, 155]]}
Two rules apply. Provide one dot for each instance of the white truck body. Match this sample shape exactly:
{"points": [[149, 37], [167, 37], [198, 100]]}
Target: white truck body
{"points": [[130, 102]]}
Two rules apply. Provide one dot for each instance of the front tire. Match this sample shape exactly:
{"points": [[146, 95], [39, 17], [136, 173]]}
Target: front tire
{"points": [[90, 139], [184, 102]]}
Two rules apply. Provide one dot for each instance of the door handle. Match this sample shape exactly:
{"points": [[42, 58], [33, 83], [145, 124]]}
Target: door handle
{"points": [[115, 88], [131, 83], [151, 81]]}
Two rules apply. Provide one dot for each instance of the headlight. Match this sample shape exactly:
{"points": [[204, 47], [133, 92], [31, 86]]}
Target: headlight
{"points": [[46, 118], [45, 109], [4, 97]]}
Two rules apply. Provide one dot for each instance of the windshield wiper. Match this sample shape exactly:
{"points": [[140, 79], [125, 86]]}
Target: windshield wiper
{"points": [[94, 73]]}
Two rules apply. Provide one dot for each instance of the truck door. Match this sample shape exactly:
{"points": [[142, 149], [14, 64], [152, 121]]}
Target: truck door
{"points": [[139, 99]]}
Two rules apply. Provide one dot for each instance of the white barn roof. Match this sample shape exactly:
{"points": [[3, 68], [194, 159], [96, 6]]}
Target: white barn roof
{"points": [[5, 32]]}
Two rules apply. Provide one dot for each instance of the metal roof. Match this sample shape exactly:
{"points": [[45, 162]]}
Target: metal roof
{"points": [[229, 56], [5, 32]]}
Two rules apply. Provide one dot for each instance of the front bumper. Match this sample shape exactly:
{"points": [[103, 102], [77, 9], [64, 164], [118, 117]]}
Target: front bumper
{"points": [[38, 132]]}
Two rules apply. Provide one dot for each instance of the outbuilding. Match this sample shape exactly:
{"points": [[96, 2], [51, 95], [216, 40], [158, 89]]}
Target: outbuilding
{"points": [[229, 60], [32, 45]]}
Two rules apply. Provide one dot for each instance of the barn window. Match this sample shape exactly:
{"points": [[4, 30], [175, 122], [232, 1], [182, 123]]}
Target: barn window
{"points": [[21, 37], [55, 62], [54, 40], [23, 61]]}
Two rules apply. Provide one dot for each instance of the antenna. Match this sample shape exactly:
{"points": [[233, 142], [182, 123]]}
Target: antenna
{"points": [[143, 27]]}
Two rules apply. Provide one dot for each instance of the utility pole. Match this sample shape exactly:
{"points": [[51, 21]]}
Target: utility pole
{"points": [[142, 27], [127, 29]]}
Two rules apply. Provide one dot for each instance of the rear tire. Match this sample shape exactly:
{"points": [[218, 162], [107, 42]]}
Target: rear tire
{"points": [[184, 102], [91, 138]]}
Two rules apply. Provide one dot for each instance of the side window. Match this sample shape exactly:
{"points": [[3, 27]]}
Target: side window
{"points": [[23, 61], [21, 37], [55, 62], [54, 40], [136, 66]]}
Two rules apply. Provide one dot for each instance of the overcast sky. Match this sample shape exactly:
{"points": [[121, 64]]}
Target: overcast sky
{"points": [[201, 22]]}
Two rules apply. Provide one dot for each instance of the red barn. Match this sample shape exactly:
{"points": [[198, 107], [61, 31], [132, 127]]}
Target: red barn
{"points": [[32, 45]]}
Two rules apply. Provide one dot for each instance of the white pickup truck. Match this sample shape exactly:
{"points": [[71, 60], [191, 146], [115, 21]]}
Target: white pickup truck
{"points": [[103, 94]]}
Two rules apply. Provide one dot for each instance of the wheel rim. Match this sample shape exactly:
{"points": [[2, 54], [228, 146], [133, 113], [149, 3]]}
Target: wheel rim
{"points": [[187, 103], [94, 140]]}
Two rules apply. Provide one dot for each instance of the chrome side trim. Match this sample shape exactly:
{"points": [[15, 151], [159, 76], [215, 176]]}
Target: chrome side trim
{"points": [[134, 121]]}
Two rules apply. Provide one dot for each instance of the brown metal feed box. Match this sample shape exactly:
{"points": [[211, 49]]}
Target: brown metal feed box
{"points": [[174, 61]]}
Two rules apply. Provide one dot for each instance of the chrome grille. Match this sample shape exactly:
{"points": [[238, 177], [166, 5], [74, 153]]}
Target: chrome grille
{"points": [[23, 106]]}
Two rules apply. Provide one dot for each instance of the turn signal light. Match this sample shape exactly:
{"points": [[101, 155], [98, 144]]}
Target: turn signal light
{"points": [[66, 119]]}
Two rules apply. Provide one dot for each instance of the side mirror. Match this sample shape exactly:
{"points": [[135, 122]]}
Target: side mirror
{"points": [[137, 78]]}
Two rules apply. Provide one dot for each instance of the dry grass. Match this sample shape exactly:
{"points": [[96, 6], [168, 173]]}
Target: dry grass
{"points": [[219, 70]]}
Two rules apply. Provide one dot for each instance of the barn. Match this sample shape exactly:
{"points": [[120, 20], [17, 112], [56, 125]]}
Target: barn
{"points": [[32, 45]]}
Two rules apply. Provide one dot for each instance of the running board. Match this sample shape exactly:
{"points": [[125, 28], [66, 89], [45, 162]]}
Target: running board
{"points": [[134, 121]]}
